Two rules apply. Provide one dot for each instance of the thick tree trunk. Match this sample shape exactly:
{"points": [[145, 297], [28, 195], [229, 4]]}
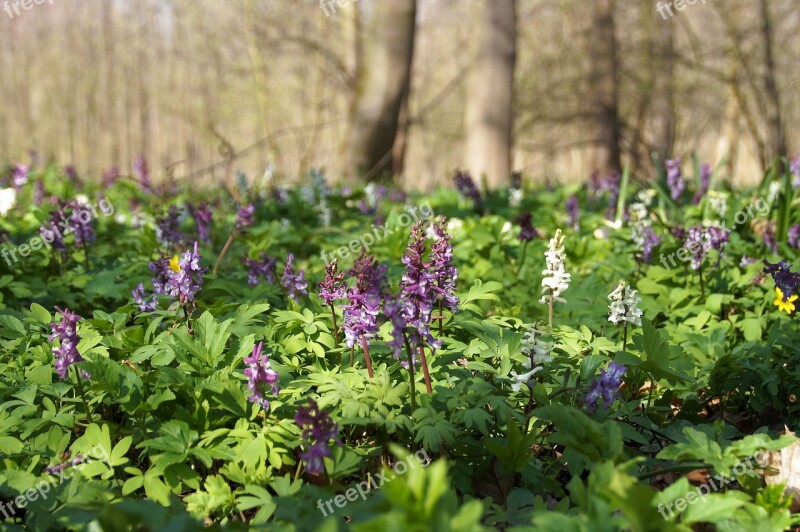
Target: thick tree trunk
{"points": [[603, 82], [488, 116], [664, 105], [383, 81], [776, 135]]}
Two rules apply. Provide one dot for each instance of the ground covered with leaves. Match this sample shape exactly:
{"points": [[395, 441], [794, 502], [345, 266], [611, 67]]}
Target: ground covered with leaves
{"points": [[618, 355]]}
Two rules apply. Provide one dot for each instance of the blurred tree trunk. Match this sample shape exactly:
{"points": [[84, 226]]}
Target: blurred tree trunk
{"points": [[665, 92], [490, 92], [603, 82], [383, 80], [776, 135]]}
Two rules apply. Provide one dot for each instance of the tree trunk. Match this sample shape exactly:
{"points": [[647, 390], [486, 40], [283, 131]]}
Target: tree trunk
{"points": [[603, 81], [490, 92], [664, 107], [383, 79], [776, 135]]}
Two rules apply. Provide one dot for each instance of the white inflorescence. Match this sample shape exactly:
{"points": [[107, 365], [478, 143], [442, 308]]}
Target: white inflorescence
{"points": [[624, 306], [556, 279], [718, 201]]}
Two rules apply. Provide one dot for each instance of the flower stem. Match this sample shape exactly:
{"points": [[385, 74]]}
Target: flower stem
{"points": [[335, 331], [624, 336], [550, 310], [412, 376], [702, 285], [83, 396], [367, 358], [441, 319], [224, 250], [424, 363], [521, 260]]}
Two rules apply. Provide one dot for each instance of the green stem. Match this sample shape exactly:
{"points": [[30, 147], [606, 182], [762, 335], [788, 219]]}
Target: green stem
{"points": [[335, 331], [412, 375], [550, 310], [83, 396], [625, 336]]}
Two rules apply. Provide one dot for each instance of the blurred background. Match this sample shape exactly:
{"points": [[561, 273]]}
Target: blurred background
{"points": [[403, 89]]}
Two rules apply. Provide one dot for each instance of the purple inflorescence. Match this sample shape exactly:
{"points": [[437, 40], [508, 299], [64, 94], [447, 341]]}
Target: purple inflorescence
{"points": [[68, 217], [260, 376], [795, 168], [168, 228], [318, 431], [649, 241], [67, 332], [187, 279], [705, 181], [333, 286], [161, 274], [416, 291], [608, 184], [244, 216], [263, 266], [19, 175], [142, 173], [295, 283], [526, 229], [466, 186], [110, 176], [140, 299], [39, 193], [364, 298], [699, 241], [606, 387], [573, 211], [786, 280], [443, 273], [675, 180], [52, 470], [794, 236], [202, 219]]}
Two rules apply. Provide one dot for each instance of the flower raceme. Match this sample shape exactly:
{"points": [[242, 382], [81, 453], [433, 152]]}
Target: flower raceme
{"points": [[606, 387], [624, 307], [364, 298], [260, 376], [538, 355], [180, 278], [556, 280], [675, 180], [66, 331], [785, 279], [318, 430], [333, 287], [262, 267], [294, 283]]}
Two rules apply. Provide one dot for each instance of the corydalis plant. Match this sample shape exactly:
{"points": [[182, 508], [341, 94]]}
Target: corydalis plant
{"points": [[538, 353], [556, 280], [202, 218], [785, 280], [168, 228], [624, 309], [294, 283], [675, 180], [606, 387], [66, 355], [262, 267], [443, 273], [318, 431], [360, 315], [332, 289], [260, 376]]}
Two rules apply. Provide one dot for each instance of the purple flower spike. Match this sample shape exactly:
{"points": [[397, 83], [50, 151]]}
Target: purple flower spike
{"points": [[705, 181], [784, 278], [573, 211], [794, 236], [260, 377], [527, 231], [333, 286], [649, 241], [187, 279], [139, 299], [19, 175], [675, 180], [67, 332], [364, 297], [263, 266], [443, 273], [318, 431], [417, 291], [606, 387], [202, 219], [168, 228], [244, 216], [466, 186], [140, 168], [293, 282]]}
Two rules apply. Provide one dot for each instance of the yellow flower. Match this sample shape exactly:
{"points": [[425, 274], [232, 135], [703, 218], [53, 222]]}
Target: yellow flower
{"points": [[175, 265], [786, 306]]}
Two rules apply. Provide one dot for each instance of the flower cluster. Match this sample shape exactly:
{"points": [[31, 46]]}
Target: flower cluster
{"points": [[649, 240], [785, 280], [624, 306], [466, 186], [573, 211], [294, 283], [794, 236], [443, 273], [700, 240], [556, 280], [705, 181], [168, 227], [260, 376], [202, 218], [55, 469], [139, 298], [245, 216], [68, 217], [795, 168], [179, 278], [140, 167], [67, 332], [19, 175], [333, 286], [608, 184], [718, 201], [263, 266], [364, 297], [538, 354], [675, 180], [318, 431], [606, 387], [527, 231]]}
